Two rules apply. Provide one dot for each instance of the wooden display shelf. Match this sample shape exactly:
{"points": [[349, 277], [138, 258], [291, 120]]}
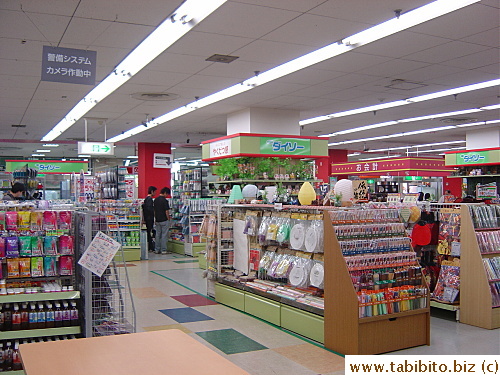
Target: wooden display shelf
{"points": [[476, 305], [345, 332]]}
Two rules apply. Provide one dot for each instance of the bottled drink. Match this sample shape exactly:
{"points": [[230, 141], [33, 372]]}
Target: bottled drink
{"points": [[7, 317], [2, 319], [1, 357], [25, 319], [74, 314], [33, 317], [16, 358], [58, 315], [16, 318], [49, 316], [66, 314], [8, 357], [41, 316]]}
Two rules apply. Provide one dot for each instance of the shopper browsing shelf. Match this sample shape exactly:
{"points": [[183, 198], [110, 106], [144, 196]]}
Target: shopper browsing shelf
{"points": [[148, 213], [162, 217], [15, 193]]}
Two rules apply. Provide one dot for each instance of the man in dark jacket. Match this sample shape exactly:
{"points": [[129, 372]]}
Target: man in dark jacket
{"points": [[15, 193], [162, 218], [148, 213]]}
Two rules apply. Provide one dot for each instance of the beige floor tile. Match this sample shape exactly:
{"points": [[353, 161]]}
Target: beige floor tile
{"points": [[148, 292], [170, 326], [313, 357]]}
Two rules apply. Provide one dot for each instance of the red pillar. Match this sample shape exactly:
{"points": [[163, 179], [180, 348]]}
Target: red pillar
{"points": [[323, 169], [149, 176], [454, 185], [337, 156]]}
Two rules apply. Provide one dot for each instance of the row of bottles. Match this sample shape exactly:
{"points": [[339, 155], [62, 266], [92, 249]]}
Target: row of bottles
{"points": [[38, 315], [9, 352]]}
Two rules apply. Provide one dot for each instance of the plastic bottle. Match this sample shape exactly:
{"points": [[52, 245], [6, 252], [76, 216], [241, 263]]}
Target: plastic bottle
{"points": [[33, 317], [25, 317], [16, 318], [58, 315], [16, 358], [2, 319], [3, 288], [50, 316], [41, 316], [7, 317], [1, 357], [66, 314], [74, 314], [8, 357]]}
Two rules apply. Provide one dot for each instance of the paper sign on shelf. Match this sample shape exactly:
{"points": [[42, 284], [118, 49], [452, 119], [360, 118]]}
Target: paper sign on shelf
{"points": [[99, 254]]}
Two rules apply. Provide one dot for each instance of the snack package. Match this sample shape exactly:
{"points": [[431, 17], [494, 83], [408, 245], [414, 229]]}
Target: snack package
{"points": [[11, 247], [36, 246], [66, 266], [36, 267], [24, 267], [49, 220], [23, 220], [50, 245], [64, 221], [2, 247], [25, 246], [50, 266], [12, 267], [2, 220], [36, 220], [66, 245], [11, 220]]}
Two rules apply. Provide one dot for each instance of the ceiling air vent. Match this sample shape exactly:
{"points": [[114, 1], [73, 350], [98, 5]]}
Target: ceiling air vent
{"points": [[458, 120], [401, 84], [155, 96], [18, 125], [222, 58]]}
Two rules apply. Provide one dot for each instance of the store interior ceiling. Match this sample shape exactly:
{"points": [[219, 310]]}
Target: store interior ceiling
{"points": [[453, 50]]}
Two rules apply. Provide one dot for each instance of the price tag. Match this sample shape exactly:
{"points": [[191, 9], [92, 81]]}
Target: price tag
{"points": [[278, 206], [455, 249]]}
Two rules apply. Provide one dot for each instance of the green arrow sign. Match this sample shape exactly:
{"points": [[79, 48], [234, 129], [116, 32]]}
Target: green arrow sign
{"points": [[96, 148]]}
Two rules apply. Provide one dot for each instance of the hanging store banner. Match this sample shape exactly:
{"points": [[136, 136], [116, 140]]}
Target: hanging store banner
{"points": [[265, 145], [48, 166], [473, 157], [69, 65], [394, 167]]}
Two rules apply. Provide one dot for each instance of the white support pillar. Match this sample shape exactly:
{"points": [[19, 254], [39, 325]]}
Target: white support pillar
{"points": [[264, 121], [484, 138]]}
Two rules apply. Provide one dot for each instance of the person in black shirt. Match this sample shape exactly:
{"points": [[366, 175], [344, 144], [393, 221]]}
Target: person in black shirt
{"points": [[148, 214], [15, 193], [162, 217]]}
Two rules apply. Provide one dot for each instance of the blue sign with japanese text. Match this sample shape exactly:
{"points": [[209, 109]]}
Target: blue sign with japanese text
{"points": [[69, 65]]}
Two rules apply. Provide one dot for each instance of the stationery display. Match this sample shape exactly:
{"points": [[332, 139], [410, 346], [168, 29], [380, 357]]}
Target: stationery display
{"points": [[492, 266], [377, 245], [378, 216], [347, 232], [489, 242], [485, 216], [448, 283]]}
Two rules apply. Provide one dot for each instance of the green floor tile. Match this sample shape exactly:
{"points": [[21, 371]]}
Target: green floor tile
{"points": [[230, 341], [186, 261]]}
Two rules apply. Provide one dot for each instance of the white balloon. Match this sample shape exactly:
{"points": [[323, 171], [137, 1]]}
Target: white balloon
{"points": [[345, 188]]}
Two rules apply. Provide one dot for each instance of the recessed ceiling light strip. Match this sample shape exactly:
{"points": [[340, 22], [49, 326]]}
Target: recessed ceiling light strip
{"points": [[414, 146], [182, 20], [392, 26]]}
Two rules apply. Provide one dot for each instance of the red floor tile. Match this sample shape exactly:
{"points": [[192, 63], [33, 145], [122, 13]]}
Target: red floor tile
{"points": [[193, 300]]}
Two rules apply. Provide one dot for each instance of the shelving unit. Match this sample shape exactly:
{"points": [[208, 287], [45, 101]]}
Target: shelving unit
{"points": [[345, 331], [112, 183], [476, 304]]}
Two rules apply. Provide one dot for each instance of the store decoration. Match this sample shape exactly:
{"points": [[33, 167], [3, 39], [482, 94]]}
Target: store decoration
{"points": [[345, 188], [415, 214], [405, 214], [235, 195], [270, 193], [306, 194], [250, 192]]}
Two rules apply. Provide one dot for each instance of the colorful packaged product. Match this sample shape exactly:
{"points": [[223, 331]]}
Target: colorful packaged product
{"points": [[2, 247], [36, 267], [36, 220], [23, 220], [66, 266], [12, 267], [66, 245], [11, 247], [24, 267], [50, 245], [36, 246], [64, 220], [2, 220], [25, 246], [11, 220], [50, 266], [49, 220]]}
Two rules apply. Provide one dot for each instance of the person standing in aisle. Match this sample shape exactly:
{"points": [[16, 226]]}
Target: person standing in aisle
{"points": [[148, 212], [162, 217], [15, 192]]}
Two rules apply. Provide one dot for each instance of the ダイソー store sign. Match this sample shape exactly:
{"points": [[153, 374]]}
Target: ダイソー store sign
{"points": [[473, 157], [48, 166], [220, 148], [285, 146], [68, 65]]}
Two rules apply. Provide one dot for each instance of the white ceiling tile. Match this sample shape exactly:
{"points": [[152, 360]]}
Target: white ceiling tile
{"points": [[352, 62], [311, 77], [476, 60], [429, 73], [271, 52], [446, 52], [493, 68], [295, 5], [238, 69], [394, 67], [178, 63], [160, 81], [59, 7], [490, 38], [120, 35], [464, 78]]}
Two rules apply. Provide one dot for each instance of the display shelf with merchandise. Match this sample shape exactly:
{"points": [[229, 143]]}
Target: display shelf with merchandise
{"points": [[479, 290]]}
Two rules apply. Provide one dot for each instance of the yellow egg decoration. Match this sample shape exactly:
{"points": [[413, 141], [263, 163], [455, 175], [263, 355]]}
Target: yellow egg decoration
{"points": [[306, 194]]}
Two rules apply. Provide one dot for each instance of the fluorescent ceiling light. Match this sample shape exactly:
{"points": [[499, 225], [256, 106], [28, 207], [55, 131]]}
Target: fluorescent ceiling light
{"points": [[494, 106], [392, 26], [37, 154], [182, 20], [84, 156], [354, 154], [397, 103], [437, 150], [133, 157], [42, 150], [51, 145], [415, 146], [127, 162], [180, 158], [478, 123], [381, 157]]}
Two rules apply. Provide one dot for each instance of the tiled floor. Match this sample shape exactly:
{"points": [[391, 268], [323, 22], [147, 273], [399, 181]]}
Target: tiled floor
{"points": [[170, 293]]}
